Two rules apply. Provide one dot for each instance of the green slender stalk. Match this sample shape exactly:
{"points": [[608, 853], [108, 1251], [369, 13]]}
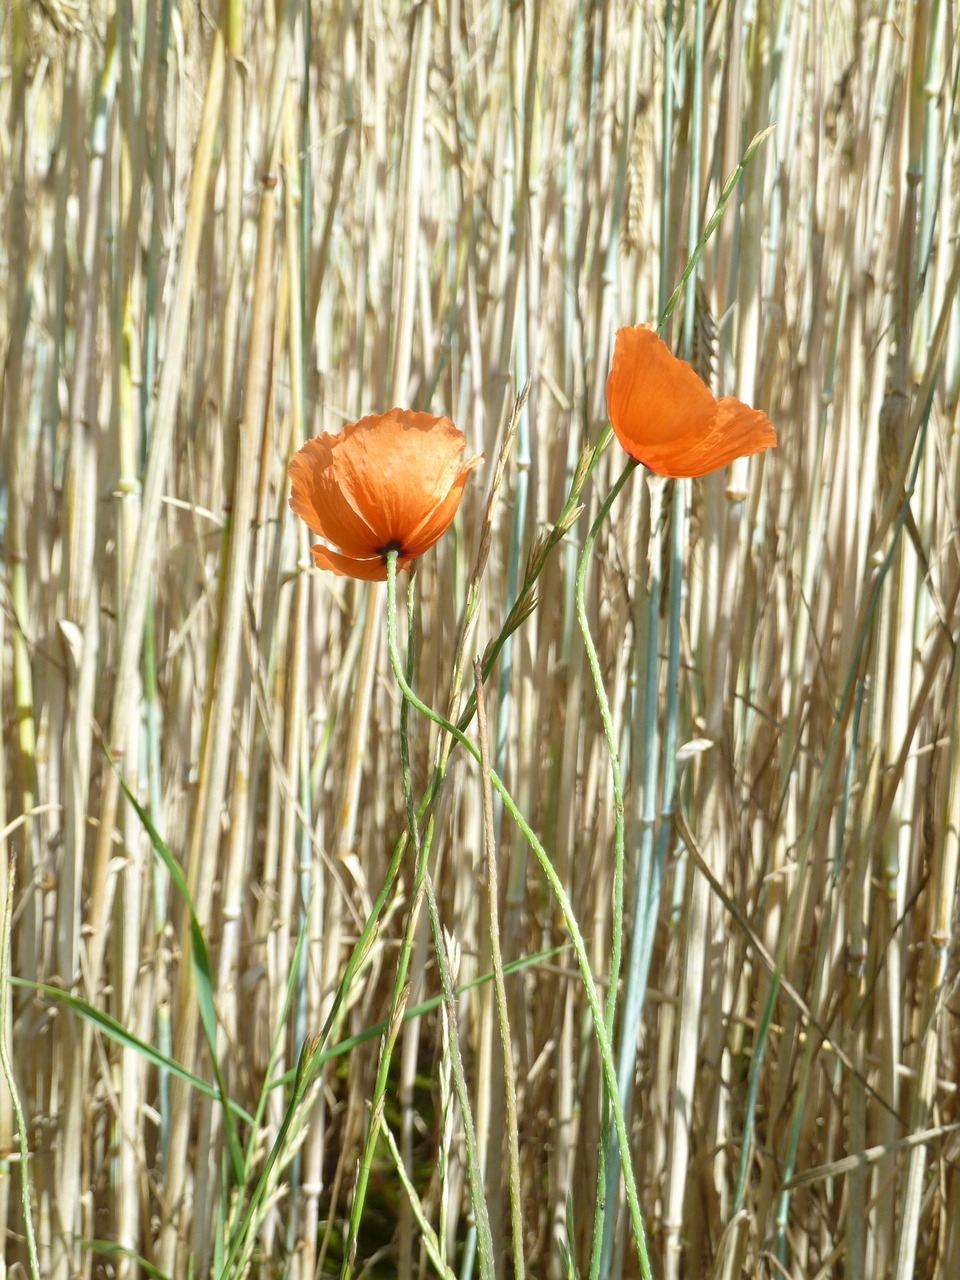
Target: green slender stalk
{"points": [[432, 1243], [412, 1029], [729, 188], [401, 989], [590, 988]]}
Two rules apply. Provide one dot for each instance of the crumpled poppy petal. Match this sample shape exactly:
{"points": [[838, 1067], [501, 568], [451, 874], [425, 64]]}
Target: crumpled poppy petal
{"points": [[665, 416], [320, 502], [397, 467], [732, 430]]}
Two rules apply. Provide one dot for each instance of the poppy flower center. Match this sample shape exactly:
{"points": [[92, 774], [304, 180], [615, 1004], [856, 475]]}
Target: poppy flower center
{"points": [[393, 545]]}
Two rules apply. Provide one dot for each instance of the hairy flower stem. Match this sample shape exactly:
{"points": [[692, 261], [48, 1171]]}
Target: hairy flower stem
{"points": [[474, 1172], [579, 946]]}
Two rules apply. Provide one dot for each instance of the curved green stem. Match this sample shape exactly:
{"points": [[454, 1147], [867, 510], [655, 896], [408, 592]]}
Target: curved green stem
{"points": [[402, 989], [526, 599], [563, 901]]}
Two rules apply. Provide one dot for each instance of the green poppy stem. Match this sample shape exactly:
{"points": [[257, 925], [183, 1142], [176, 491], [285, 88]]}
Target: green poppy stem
{"points": [[401, 990], [560, 893]]}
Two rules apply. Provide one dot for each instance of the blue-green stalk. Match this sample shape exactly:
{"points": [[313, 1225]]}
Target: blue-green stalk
{"points": [[432, 1240], [523, 102], [616, 936], [151, 721]]}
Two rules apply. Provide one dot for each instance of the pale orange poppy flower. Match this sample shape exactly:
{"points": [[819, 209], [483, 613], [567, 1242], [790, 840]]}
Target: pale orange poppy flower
{"points": [[668, 419], [390, 482]]}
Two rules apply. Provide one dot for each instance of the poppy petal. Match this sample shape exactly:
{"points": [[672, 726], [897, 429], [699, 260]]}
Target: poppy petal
{"points": [[732, 431], [396, 468], [319, 501], [666, 417], [374, 570], [439, 520], [651, 395]]}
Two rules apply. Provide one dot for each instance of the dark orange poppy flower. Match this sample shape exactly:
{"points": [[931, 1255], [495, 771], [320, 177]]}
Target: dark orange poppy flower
{"points": [[390, 482], [668, 419]]}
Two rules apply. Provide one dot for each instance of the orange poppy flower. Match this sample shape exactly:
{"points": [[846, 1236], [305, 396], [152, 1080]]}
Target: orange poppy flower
{"points": [[668, 419], [390, 482]]}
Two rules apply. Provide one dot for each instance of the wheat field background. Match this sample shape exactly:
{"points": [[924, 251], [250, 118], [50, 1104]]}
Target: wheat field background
{"points": [[228, 228]]}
